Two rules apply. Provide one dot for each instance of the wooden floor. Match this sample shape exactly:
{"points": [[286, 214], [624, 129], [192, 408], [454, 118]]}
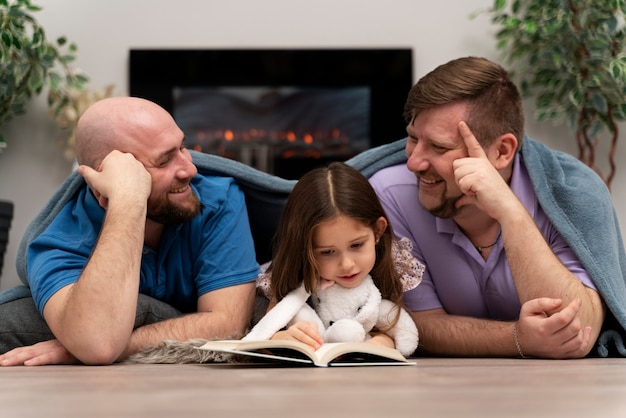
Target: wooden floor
{"points": [[432, 388]]}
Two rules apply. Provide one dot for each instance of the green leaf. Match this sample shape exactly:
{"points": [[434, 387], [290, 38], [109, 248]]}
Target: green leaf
{"points": [[530, 27], [7, 39], [16, 42], [600, 103], [32, 7], [54, 80], [576, 97], [30, 63], [616, 69], [82, 78], [516, 6]]}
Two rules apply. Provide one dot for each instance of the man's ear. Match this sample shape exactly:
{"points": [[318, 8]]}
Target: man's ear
{"points": [[503, 151], [380, 227]]}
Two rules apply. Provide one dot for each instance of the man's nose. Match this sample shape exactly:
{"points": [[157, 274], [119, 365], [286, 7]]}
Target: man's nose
{"points": [[417, 160], [187, 168]]}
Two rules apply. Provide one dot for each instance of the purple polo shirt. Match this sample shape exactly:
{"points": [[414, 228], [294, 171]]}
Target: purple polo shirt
{"points": [[456, 277]]}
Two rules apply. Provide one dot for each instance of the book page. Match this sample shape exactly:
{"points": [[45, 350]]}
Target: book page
{"points": [[284, 350], [358, 354], [330, 354]]}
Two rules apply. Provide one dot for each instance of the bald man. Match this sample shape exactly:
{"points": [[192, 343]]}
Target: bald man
{"points": [[146, 228]]}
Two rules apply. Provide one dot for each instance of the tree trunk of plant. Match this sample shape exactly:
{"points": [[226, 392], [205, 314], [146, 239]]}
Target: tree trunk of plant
{"points": [[587, 145]]}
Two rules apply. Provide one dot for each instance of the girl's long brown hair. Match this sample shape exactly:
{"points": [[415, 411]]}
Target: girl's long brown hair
{"points": [[321, 195]]}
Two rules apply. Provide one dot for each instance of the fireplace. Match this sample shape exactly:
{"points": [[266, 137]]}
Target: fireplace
{"points": [[283, 111]]}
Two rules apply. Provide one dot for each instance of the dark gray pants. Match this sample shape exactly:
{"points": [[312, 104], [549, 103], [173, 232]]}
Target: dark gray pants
{"points": [[21, 324]]}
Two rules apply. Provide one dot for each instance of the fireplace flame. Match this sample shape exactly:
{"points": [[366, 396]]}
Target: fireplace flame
{"points": [[259, 147]]}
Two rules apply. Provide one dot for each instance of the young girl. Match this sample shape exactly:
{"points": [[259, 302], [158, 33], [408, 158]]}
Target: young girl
{"points": [[334, 231]]}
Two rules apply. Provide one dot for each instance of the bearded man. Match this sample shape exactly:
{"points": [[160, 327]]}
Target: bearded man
{"points": [[147, 249]]}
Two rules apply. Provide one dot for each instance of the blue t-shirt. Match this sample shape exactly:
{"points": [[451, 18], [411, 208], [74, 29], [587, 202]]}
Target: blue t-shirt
{"points": [[212, 251]]}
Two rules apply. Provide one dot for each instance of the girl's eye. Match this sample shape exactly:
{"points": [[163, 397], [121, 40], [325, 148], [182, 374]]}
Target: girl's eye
{"points": [[326, 252], [357, 245]]}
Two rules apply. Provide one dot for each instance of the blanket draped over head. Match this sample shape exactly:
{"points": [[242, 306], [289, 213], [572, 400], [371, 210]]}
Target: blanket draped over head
{"points": [[573, 197], [579, 205]]}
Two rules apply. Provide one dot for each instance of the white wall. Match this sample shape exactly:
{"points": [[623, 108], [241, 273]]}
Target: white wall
{"points": [[33, 166]]}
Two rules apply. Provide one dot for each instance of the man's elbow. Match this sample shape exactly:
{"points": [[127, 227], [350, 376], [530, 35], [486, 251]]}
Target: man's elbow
{"points": [[97, 351]]}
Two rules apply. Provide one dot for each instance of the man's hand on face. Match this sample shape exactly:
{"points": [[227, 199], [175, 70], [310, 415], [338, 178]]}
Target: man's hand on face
{"points": [[119, 175], [478, 179]]}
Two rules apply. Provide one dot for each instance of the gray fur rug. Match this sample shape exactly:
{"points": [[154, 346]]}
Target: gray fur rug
{"points": [[181, 352], [186, 352]]}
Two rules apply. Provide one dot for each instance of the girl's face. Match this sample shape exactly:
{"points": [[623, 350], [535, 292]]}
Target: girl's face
{"points": [[345, 249]]}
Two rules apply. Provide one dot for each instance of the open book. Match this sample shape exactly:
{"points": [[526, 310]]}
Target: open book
{"points": [[330, 354]]}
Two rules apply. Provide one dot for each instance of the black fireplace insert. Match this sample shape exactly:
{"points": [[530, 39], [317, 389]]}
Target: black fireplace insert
{"points": [[283, 111]]}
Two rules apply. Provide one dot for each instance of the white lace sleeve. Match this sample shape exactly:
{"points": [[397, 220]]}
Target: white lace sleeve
{"points": [[408, 266]]}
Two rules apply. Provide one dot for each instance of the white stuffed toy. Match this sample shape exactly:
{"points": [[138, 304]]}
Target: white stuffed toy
{"points": [[342, 315]]}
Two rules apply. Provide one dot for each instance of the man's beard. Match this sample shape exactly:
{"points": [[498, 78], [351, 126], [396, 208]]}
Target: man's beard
{"points": [[446, 208], [165, 212]]}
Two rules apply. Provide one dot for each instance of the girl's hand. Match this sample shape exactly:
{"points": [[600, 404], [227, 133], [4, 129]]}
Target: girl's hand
{"points": [[382, 339], [305, 332]]}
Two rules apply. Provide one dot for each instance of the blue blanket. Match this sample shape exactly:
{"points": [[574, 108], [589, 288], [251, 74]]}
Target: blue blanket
{"points": [[574, 198], [579, 204]]}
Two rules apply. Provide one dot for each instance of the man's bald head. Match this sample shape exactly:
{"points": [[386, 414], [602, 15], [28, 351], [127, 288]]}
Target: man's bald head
{"points": [[116, 123]]}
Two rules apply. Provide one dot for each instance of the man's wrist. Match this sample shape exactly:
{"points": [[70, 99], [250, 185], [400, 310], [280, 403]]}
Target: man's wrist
{"points": [[516, 341]]}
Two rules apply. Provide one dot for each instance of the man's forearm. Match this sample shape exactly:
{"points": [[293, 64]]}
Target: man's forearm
{"points": [[449, 335], [538, 272], [205, 325], [223, 313], [94, 317]]}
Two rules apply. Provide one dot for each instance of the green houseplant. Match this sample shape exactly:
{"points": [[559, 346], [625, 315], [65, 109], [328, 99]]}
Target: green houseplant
{"points": [[30, 63], [570, 56]]}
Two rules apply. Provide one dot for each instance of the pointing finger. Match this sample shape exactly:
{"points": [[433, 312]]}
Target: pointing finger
{"points": [[473, 146]]}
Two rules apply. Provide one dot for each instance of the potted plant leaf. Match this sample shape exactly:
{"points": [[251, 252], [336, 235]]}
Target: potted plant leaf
{"points": [[570, 56], [30, 63]]}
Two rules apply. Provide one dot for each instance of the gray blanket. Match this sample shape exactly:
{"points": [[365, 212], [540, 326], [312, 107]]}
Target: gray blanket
{"points": [[579, 204], [574, 198]]}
